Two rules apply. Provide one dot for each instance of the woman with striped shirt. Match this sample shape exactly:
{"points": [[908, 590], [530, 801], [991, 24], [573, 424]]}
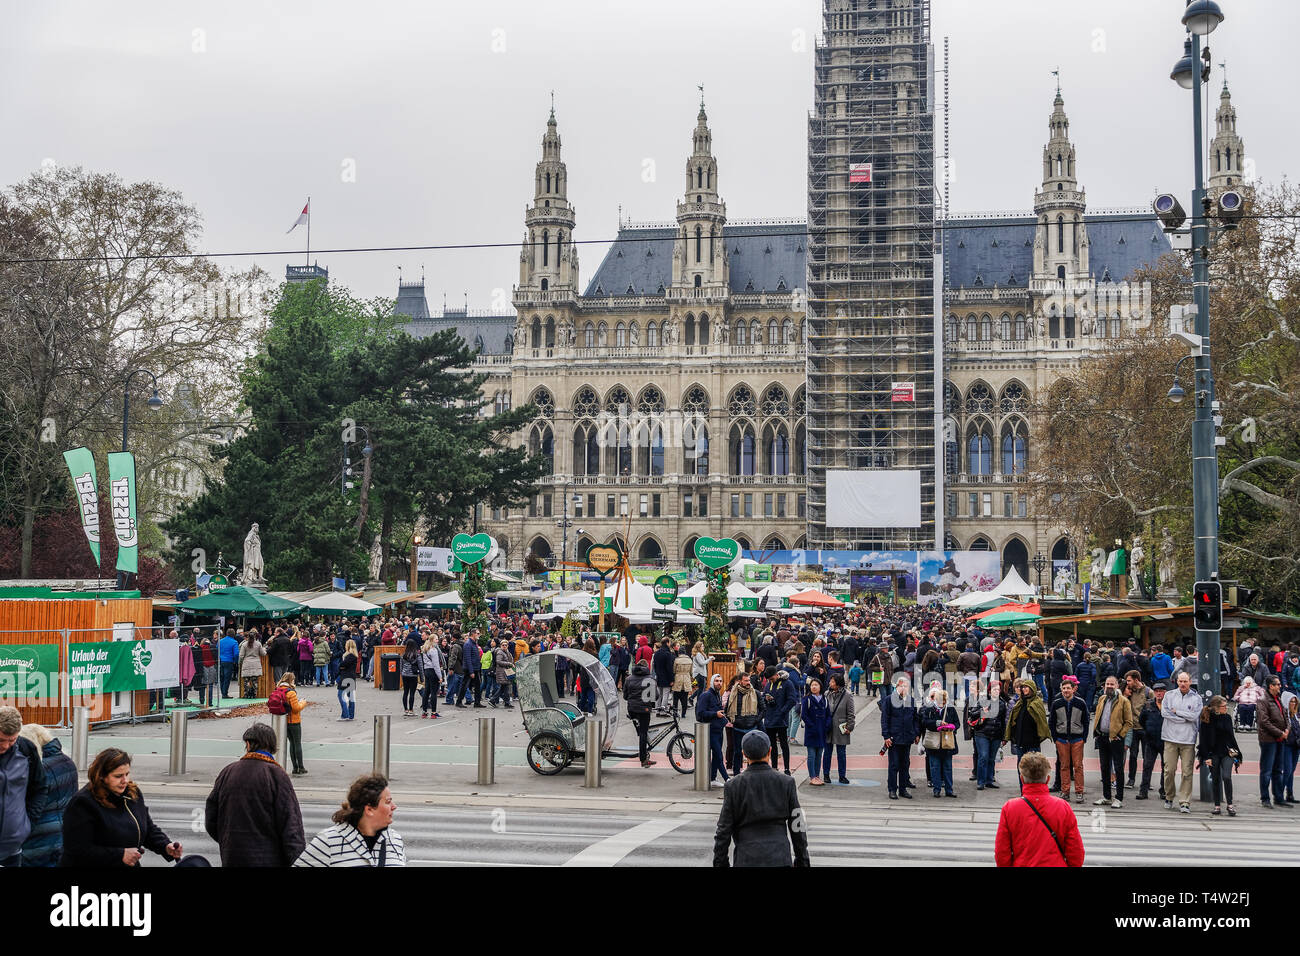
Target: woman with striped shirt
{"points": [[361, 834]]}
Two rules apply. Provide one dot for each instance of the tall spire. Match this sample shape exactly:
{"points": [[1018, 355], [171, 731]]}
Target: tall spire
{"points": [[700, 254], [548, 259], [1061, 240], [1227, 151]]}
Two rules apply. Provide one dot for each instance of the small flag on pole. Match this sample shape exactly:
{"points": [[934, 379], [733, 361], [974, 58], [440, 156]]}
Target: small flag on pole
{"points": [[304, 218]]}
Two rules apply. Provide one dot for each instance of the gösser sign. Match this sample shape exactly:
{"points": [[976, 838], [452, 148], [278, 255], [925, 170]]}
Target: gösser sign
{"points": [[715, 554], [665, 589]]}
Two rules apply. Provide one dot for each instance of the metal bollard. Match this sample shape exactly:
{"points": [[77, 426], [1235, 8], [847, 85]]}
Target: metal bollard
{"points": [[81, 737], [380, 763], [176, 758], [591, 765], [487, 743], [702, 757], [280, 724]]}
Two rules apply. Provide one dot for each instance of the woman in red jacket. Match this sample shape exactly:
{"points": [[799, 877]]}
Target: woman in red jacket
{"points": [[1037, 829]]}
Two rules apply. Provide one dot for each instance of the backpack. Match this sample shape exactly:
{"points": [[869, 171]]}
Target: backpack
{"points": [[278, 702]]}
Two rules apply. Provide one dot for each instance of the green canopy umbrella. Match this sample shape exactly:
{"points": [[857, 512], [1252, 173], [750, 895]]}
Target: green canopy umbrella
{"points": [[1009, 619], [240, 600]]}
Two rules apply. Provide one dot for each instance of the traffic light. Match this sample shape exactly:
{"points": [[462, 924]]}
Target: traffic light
{"points": [[1207, 597]]}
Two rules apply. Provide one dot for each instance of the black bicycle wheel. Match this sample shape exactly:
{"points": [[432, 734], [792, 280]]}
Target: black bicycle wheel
{"points": [[548, 755], [681, 752]]}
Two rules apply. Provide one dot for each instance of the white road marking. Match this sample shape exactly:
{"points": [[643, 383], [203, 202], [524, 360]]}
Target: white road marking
{"points": [[611, 850]]}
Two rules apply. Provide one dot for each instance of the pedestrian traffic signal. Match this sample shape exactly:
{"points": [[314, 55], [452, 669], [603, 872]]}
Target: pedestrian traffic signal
{"points": [[1207, 596]]}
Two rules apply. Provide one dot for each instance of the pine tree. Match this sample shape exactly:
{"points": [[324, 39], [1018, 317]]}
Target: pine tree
{"points": [[717, 636]]}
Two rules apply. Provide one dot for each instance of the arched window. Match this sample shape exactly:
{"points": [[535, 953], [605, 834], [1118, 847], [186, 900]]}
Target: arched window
{"points": [[620, 335], [1054, 322], [695, 449], [541, 442], [649, 552], [589, 335], [742, 332], [742, 449], [986, 328], [586, 450], [799, 457], [1020, 327], [980, 544], [690, 329], [704, 328], [1006, 327], [971, 332], [787, 332], [773, 332], [699, 242], [652, 335], [536, 332], [550, 332], [697, 280], [540, 548], [656, 451], [1115, 327], [699, 176], [979, 452], [546, 246], [776, 450], [950, 328], [1060, 232], [1014, 448]]}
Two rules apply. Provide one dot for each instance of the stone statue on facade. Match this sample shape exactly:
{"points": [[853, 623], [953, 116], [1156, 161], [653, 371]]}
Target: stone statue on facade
{"points": [[635, 335], [254, 570]]}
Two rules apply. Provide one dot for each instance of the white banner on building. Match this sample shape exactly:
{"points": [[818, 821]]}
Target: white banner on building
{"points": [[162, 664], [433, 559]]}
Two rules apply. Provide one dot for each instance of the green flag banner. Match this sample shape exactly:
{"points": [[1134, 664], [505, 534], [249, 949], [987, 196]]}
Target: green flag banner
{"points": [[121, 491], [81, 465], [29, 671]]}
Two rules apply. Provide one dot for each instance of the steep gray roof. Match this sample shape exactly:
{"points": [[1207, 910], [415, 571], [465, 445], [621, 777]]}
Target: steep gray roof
{"points": [[1001, 251], [488, 332], [762, 258]]}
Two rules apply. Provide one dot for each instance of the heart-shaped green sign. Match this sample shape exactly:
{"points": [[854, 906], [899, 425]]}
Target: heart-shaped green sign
{"points": [[471, 548], [714, 554]]}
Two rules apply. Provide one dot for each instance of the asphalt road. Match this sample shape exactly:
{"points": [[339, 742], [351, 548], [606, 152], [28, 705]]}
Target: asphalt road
{"points": [[853, 836]]}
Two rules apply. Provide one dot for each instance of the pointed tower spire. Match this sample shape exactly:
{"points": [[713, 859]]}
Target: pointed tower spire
{"points": [[1227, 151], [1061, 240], [700, 254], [548, 260]]}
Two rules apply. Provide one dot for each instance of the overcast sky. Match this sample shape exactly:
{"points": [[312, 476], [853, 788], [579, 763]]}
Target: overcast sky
{"points": [[420, 123]]}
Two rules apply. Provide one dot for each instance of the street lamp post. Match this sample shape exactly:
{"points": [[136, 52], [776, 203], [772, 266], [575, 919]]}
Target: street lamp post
{"points": [[563, 523], [415, 561], [155, 402], [1039, 564], [1201, 17]]}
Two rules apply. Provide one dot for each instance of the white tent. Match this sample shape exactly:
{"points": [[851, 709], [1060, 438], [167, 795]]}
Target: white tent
{"points": [[977, 600], [637, 601], [734, 590], [448, 599], [335, 602], [1013, 585]]}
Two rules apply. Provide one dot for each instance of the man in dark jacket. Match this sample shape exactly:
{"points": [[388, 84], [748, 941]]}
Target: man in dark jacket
{"points": [[709, 710], [900, 728], [760, 813], [470, 658], [662, 662], [640, 693], [1151, 721], [279, 652], [252, 811], [21, 781]]}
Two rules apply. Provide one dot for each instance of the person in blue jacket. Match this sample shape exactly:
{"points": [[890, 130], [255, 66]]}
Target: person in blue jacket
{"points": [[228, 656], [709, 710], [780, 697], [1086, 673], [900, 728], [816, 716]]}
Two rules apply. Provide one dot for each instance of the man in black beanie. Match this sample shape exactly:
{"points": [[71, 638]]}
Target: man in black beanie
{"points": [[761, 813]]}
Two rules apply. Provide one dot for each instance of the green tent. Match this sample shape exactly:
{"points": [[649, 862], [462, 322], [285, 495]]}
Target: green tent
{"points": [[240, 600], [1008, 619]]}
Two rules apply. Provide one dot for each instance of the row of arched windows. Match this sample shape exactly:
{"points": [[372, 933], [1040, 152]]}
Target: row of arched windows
{"points": [[982, 329], [986, 434]]}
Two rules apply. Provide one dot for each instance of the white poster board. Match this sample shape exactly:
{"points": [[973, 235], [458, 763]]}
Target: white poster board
{"points": [[873, 499]]}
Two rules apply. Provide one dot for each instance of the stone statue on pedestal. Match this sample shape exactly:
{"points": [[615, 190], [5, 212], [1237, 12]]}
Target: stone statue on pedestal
{"points": [[376, 558], [1098, 570], [253, 573], [1138, 565], [1166, 566]]}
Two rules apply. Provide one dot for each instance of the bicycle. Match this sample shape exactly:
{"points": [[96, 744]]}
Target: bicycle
{"points": [[680, 748]]}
